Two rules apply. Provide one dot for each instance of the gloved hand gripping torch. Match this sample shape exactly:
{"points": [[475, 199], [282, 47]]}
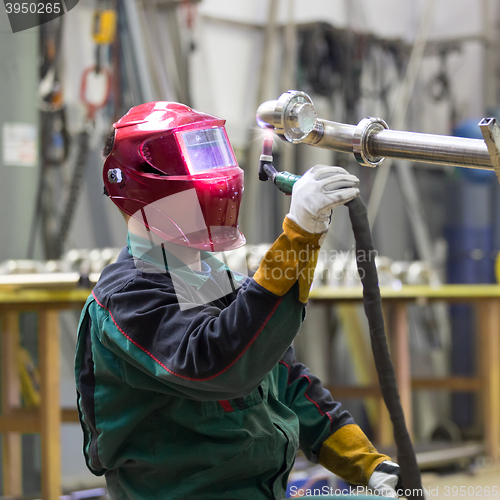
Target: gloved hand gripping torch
{"points": [[410, 473]]}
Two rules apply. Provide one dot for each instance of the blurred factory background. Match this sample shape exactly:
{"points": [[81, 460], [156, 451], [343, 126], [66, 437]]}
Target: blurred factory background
{"points": [[428, 66]]}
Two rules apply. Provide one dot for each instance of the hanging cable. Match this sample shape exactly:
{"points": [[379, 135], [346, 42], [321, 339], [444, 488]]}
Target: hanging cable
{"points": [[77, 179], [372, 302], [104, 29], [55, 139], [321, 57]]}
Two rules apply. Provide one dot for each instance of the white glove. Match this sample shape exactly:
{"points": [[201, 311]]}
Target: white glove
{"points": [[384, 479], [317, 192]]}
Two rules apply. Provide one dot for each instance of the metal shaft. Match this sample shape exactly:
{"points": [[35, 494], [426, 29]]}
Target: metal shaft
{"points": [[439, 149], [294, 119]]}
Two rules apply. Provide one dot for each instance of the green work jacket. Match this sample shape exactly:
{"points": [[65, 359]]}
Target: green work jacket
{"points": [[180, 398]]}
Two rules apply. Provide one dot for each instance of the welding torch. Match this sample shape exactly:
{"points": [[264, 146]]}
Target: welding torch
{"points": [[284, 180]]}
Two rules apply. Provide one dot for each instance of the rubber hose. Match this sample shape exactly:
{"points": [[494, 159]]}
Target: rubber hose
{"points": [[74, 190], [365, 253]]}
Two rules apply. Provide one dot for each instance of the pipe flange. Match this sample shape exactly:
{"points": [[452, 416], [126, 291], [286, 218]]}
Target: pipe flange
{"points": [[294, 116], [364, 130]]}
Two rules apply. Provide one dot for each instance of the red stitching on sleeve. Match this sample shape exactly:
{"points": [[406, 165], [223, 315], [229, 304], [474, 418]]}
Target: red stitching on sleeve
{"points": [[182, 376], [305, 392]]}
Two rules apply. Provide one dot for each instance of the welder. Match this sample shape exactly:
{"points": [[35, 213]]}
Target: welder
{"points": [[187, 383]]}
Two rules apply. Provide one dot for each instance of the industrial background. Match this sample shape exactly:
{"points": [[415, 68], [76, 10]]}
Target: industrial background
{"points": [[429, 66]]}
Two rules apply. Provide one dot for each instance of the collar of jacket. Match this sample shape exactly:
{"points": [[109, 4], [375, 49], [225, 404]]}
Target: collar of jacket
{"points": [[141, 248]]}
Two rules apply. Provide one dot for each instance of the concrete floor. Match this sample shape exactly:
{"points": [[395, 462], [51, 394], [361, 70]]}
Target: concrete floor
{"points": [[481, 482]]}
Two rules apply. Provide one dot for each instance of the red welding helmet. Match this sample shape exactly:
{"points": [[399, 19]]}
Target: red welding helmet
{"points": [[173, 169]]}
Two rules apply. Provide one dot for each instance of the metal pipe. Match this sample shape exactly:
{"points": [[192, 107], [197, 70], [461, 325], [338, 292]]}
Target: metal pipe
{"points": [[428, 148], [331, 135], [293, 118], [46, 280], [440, 149]]}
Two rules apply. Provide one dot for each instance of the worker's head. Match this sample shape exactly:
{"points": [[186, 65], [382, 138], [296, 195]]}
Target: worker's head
{"points": [[172, 169]]}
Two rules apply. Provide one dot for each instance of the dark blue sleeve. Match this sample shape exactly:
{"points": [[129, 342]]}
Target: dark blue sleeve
{"points": [[207, 352], [319, 415]]}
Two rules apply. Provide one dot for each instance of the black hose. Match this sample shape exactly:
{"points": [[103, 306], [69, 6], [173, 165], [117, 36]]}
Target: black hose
{"points": [[365, 259], [75, 188]]}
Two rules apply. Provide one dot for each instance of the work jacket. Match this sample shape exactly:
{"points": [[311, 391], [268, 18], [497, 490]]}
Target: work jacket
{"points": [[180, 398]]}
